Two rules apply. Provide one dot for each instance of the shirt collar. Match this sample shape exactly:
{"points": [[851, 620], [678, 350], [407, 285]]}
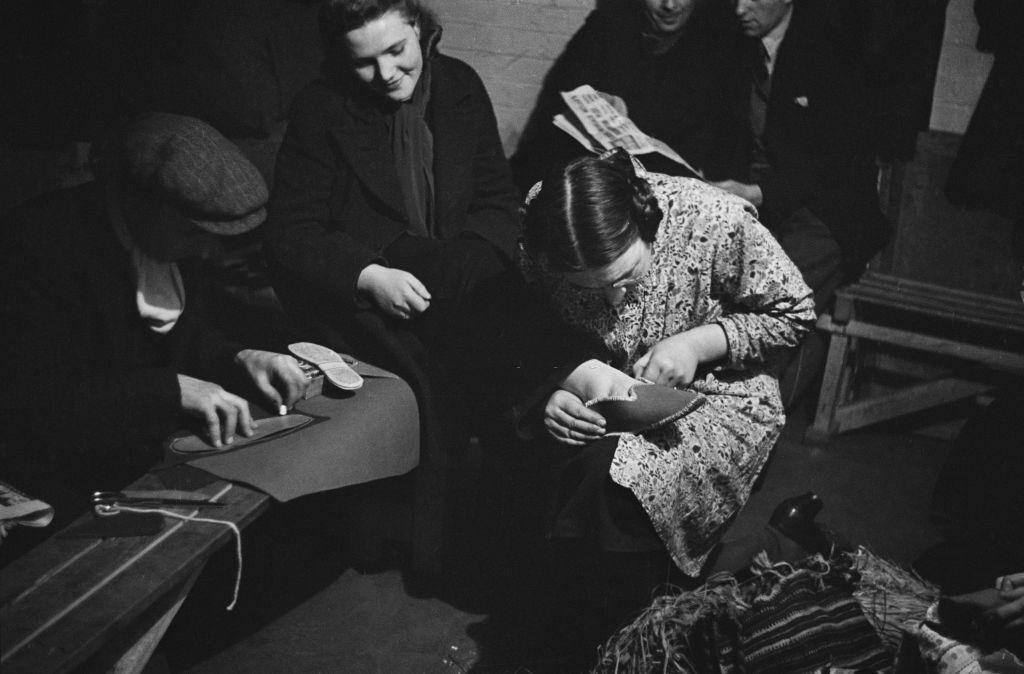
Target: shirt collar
{"points": [[773, 39]]}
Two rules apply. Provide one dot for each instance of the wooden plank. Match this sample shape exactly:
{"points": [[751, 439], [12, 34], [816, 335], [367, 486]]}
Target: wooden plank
{"points": [[939, 308], [996, 302], [944, 302], [994, 358], [835, 385], [133, 660], [906, 401], [57, 624]]}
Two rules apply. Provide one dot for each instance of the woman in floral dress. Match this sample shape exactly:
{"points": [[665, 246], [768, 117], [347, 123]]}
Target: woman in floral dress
{"points": [[684, 288]]}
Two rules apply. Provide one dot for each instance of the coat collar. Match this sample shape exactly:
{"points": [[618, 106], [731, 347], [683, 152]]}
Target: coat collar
{"points": [[362, 135]]}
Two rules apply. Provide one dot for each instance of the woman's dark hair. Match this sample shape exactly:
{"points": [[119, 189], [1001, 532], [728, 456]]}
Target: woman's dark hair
{"points": [[589, 212], [339, 17]]}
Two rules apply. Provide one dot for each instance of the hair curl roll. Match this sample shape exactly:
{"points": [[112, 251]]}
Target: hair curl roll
{"points": [[589, 212]]}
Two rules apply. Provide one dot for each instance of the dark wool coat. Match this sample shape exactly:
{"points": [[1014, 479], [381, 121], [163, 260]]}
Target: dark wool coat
{"points": [[336, 202], [88, 387], [989, 169], [817, 136], [678, 97], [336, 205]]}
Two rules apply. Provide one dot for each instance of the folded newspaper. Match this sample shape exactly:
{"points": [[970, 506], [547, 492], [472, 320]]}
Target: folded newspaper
{"points": [[598, 126], [18, 508]]}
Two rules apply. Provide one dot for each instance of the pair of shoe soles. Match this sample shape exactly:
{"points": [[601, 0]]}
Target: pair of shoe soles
{"points": [[330, 362], [645, 407]]}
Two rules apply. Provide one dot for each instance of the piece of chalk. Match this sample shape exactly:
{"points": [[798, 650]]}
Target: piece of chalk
{"points": [[282, 410]]}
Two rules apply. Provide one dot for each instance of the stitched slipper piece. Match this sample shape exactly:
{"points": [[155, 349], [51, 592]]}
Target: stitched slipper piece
{"points": [[330, 362], [265, 429], [645, 407]]}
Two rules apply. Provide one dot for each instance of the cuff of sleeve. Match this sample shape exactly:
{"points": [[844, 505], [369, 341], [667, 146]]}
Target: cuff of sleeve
{"points": [[732, 336], [153, 396]]}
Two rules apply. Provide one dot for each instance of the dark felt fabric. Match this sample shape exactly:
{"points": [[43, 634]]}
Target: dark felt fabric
{"points": [[678, 97], [87, 385], [817, 136], [369, 435]]}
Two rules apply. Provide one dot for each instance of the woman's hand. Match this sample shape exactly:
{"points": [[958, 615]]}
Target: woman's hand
{"points": [[397, 293], [222, 412], [594, 379], [673, 361], [569, 421], [277, 376], [1007, 620], [670, 362]]}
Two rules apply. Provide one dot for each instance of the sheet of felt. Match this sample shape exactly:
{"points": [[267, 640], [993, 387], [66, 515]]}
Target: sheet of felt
{"points": [[366, 435]]}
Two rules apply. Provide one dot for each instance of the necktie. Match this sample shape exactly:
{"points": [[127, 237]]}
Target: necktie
{"points": [[759, 91]]}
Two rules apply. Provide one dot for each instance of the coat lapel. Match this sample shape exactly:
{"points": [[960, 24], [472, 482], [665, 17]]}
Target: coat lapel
{"points": [[792, 76], [363, 141], [451, 122]]}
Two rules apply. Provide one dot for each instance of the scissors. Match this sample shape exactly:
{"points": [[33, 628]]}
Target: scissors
{"points": [[108, 502]]}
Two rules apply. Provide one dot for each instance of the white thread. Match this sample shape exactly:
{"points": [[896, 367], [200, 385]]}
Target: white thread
{"points": [[193, 518]]}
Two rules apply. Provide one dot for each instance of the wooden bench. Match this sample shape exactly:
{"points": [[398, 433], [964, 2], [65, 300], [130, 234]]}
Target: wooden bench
{"points": [[936, 344], [109, 601]]}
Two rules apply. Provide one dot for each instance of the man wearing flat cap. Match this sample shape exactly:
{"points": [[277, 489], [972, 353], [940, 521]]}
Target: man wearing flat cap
{"points": [[105, 349]]}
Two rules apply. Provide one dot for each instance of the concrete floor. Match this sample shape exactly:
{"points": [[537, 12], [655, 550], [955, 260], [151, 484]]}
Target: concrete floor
{"points": [[875, 486]]}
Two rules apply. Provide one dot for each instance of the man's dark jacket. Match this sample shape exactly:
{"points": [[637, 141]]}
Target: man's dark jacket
{"points": [[817, 136], [677, 96], [88, 387]]}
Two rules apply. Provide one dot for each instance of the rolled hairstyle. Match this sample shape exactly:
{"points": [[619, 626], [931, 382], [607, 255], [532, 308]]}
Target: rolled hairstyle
{"points": [[589, 212], [338, 17]]}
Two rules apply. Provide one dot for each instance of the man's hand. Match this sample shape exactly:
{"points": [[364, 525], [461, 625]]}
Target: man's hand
{"points": [[277, 376], [397, 293], [222, 412], [569, 421], [748, 191], [673, 361], [1007, 620]]}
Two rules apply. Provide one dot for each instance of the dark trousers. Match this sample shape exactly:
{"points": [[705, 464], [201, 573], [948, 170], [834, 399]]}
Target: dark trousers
{"points": [[809, 243]]}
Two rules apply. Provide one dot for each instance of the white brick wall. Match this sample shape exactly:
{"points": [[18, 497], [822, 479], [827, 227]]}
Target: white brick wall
{"points": [[512, 44], [962, 70]]}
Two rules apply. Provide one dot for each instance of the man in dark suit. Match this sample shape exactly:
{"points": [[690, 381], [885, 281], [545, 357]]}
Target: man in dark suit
{"points": [[667, 64], [810, 169]]}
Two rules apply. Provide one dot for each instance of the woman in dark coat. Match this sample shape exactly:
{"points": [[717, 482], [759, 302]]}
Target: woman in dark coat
{"points": [[393, 210]]}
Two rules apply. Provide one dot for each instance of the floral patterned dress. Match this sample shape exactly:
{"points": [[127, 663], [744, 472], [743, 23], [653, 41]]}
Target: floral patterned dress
{"points": [[712, 262]]}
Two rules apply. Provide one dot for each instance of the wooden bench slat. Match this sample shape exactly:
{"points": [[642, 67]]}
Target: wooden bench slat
{"points": [[924, 288], [1013, 323], [56, 625], [949, 303], [994, 358]]}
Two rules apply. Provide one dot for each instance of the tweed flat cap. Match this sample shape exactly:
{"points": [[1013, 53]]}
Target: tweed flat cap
{"points": [[188, 163]]}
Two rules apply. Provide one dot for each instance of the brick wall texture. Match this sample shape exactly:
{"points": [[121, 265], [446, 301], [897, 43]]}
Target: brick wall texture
{"points": [[512, 44]]}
